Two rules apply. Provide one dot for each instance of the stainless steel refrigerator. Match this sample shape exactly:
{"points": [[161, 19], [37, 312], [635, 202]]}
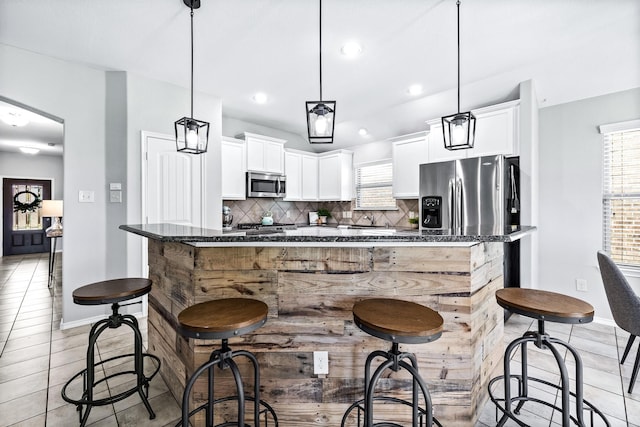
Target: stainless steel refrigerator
{"points": [[476, 196], [470, 196]]}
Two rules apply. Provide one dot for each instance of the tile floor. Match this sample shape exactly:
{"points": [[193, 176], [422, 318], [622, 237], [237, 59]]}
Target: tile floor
{"points": [[37, 358]]}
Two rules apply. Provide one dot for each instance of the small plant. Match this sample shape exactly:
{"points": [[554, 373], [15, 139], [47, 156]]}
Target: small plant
{"points": [[413, 220], [324, 212]]}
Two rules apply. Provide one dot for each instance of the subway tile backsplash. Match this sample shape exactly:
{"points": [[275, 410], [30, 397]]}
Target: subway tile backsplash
{"points": [[252, 210]]}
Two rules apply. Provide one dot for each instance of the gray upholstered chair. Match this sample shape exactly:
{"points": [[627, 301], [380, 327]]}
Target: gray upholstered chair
{"points": [[624, 304]]}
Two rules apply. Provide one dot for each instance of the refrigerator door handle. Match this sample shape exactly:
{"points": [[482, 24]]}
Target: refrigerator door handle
{"points": [[460, 208], [452, 204]]}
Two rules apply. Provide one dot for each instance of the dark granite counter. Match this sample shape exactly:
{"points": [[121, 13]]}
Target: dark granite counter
{"points": [[323, 235]]}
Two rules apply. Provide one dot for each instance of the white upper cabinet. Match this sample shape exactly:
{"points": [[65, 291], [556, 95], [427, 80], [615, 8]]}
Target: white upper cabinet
{"points": [[309, 177], [233, 169], [293, 171], [496, 133], [409, 152], [264, 154], [335, 175]]}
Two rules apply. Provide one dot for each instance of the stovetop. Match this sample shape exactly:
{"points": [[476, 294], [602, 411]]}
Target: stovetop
{"points": [[258, 226]]}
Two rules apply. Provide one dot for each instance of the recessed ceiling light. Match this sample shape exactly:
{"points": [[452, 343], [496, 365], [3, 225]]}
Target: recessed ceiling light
{"points": [[29, 150], [414, 90], [351, 49], [260, 98], [14, 118], [363, 132]]}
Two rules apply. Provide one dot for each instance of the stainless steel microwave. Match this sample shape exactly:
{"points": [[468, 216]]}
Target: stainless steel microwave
{"points": [[266, 185]]}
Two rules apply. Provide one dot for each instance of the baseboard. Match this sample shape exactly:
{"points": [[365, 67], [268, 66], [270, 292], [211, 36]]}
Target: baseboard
{"points": [[603, 321], [90, 320]]}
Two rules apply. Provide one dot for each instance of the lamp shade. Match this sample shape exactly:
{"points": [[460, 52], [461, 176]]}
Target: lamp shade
{"points": [[51, 208], [192, 136], [320, 121], [459, 131]]}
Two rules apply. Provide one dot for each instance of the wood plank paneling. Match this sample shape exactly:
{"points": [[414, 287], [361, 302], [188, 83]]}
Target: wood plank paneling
{"points": [[310, 293]]}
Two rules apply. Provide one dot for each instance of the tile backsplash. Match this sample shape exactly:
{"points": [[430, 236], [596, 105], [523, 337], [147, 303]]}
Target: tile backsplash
{"points": [[251, 210]]}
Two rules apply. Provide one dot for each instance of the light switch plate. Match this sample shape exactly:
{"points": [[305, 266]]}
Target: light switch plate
{"points": [[86, 196], [115, 196]]}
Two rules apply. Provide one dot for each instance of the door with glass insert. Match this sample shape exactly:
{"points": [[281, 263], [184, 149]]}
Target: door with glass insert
{"points": [[23, 225]]}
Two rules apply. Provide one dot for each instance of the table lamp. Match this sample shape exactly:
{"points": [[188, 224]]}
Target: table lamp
{"points": [[52, 208]]}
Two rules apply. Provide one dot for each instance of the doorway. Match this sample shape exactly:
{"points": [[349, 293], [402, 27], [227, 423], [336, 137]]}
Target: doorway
{"points": [[23, 225]]}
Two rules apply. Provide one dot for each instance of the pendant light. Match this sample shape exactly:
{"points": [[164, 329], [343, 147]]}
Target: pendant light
{"points": [[320, 114], [459, 129], [192, 135]]}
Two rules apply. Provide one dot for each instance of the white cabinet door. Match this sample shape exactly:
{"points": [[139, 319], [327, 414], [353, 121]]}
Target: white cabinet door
{"points": [[495, 133], [335, 176], [264, 154], [409, 152], [309, 173], [293, 171], [233, 169]]}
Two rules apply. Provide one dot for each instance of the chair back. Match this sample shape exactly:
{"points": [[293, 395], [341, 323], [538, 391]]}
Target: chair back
{"points": [[623, 301]]}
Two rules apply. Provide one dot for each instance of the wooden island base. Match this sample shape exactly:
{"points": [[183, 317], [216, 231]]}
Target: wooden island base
{"points": [[310, 292]]}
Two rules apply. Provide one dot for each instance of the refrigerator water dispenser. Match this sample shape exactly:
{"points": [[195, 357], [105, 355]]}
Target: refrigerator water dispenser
{"points": [[432, 212]]}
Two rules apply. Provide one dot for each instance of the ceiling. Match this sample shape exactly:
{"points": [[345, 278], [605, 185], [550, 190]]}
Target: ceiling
{"points": [[572, 49]]}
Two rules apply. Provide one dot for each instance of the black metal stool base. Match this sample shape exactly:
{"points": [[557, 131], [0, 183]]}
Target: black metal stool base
{"points": [[223, 358], [395, 360], [87, 401], [543, 341]]}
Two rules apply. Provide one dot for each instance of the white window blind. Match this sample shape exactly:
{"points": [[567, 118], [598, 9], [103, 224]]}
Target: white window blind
{"points": [[621, 196], [374, 186]]}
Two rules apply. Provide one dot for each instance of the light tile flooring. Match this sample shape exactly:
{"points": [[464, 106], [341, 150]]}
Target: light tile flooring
{"points": [[37, 358]]}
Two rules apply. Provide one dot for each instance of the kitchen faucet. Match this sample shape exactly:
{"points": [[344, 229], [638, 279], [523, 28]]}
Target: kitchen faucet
{"points": [[372, 218]]}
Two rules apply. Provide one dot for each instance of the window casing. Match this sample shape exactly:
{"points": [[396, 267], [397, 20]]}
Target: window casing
{"points": [[621, 193], [374, 186]]}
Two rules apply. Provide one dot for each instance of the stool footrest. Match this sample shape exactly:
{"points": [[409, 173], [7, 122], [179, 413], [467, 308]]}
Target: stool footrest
{"points": [[266, 411], [520, 400], [360, 404], [119, 396]]}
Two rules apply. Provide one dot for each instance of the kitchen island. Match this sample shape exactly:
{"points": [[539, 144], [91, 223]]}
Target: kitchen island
{"points": [[310, 278]]}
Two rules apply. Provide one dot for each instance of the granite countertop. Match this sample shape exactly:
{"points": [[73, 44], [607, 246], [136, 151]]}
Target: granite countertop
{"points": [[323, 234]]}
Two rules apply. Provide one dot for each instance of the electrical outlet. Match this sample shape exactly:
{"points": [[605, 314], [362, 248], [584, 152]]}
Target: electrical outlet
{"points": [[321, 362], [347, 215], [581, 285], [86, 196], [288, 214]]}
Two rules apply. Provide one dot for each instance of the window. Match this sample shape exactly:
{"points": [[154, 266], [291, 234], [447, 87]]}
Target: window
{"points": [[621, 192], [374, 186]]}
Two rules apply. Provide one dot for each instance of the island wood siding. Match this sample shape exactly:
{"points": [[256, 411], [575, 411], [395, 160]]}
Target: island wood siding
{"points": [[310, 293]]}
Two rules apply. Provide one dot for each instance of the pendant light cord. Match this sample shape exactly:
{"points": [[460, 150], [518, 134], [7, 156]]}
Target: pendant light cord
{"points": [[458, 5], [192, 59], [320, 39]]}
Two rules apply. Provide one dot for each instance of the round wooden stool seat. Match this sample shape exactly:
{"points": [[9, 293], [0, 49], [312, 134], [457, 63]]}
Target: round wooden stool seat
{"points": [[398, 321], [223, 318], [545, 305], [111, 291]]}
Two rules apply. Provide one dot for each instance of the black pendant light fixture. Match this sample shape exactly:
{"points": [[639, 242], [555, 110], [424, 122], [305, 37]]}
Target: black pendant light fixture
{"points": [[320, 114], [192, 135], [459, 129]]}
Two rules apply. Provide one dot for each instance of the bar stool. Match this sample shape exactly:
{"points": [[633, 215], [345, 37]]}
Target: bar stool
{"points": [[223, 319], [551, 307], [395, 321], [112, 292]]}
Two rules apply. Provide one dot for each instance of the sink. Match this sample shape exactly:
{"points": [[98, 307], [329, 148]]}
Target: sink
{"points": [[368, 227]]}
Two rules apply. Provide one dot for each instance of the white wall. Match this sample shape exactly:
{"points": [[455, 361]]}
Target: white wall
{"points": [[570, 227]]}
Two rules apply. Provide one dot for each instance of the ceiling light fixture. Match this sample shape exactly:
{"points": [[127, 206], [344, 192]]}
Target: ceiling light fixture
{"points": [[29, 150], [14, 118], [414, 90], [192, 135], [363, 132], [459, 129], [351, 49], [320, 114], [260, 98]]}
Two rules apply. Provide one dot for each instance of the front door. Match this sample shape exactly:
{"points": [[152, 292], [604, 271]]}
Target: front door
{"points": [[23, 226]]}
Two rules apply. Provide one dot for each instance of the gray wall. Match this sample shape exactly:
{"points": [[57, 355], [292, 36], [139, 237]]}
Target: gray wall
{"points": [[233, 127], [104, 113], [570, 227]]}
